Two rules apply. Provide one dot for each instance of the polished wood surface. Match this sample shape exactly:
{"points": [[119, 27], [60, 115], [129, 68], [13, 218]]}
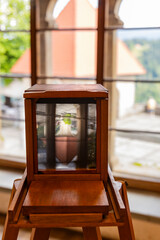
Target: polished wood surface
{"points": [[125, 224], [69, 176], [66, 197], [66, 218], [30, 147], [17, 200], [66, 91], [8, 231], [114, 190], [92, 233], [40, 233], [104, 140], [100, 40], [126, 232]]}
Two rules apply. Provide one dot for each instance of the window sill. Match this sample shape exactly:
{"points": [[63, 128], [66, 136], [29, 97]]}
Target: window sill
{"points": [[144, 204], [12, 162]]}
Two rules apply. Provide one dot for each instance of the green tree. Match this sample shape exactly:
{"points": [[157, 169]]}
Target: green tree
{"points": [[14, 14], [147, 52]]}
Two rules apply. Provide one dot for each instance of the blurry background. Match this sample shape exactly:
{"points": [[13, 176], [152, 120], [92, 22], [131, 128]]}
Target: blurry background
{"points": [[132, 75]]}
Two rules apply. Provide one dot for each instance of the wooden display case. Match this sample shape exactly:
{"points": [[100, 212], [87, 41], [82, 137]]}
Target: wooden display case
{"points": [[66, 160]]}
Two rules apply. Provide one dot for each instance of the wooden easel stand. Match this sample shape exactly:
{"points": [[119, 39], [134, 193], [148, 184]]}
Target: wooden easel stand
{"points": [[41, 224]]}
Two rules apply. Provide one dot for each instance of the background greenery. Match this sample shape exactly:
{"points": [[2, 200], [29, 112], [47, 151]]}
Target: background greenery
{"points": [[147, 51], [14, 15]]}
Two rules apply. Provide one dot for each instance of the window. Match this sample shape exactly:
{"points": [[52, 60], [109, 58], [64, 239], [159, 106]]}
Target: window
{"points": [[69, 40], [14, 41], [67, 47], [136, 87]]}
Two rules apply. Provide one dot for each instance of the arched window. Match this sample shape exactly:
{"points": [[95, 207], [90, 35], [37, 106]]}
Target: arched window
{"points": [[138, 86]]}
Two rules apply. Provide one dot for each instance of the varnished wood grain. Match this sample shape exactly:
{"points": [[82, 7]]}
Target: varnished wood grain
{"points": [[126, 232], [65, 218], [66, 91], [17, 200], [104, 140], [92, 233], [98, 137], [108, 220], [100, 40], [68, 176], [40, 233], [33, 43], [10, 232], [29, 139], [66, 197], [115, 196]]}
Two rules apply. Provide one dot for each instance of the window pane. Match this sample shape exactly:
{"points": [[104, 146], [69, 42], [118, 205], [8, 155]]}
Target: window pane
{"points": [[15, 14], [138, 154], [14, 53], [66, 135], [137, 102], [12, 127], [69, 54], [66, 81], [135, 13], [67, 14], [138, 109], [143, 46]]}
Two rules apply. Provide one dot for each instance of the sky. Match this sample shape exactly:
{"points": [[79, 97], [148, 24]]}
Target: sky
{"points": [[140, 13]]}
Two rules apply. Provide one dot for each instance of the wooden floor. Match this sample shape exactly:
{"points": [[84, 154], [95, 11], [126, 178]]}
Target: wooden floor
{"points": [[56, 234]]}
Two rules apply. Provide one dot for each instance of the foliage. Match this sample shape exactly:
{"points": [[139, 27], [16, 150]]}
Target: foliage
{"points": [[146, 90], [147, 52], [12, 47], [67, 119], [14, 14]]}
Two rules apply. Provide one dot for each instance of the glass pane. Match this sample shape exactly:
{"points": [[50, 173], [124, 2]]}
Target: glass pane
{"points": [[143, 46], [15, 53], [138, 154], [67, 14], [15, 14], [66, 81], [67, 53], [12, 123], [138, 109], [66, 135], [134, 13]]}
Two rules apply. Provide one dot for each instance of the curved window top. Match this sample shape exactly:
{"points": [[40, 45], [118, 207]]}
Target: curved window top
{"points": [[60, 5], [71, 14]]}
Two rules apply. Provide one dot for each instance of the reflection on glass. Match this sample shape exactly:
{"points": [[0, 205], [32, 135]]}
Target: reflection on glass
{"points": [[80, 55], [66, 135]]}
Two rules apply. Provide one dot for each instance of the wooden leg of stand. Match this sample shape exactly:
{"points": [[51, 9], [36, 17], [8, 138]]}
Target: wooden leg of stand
{"points": [[92, 233], [126, 232], [10, 232], [40, 233]]}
